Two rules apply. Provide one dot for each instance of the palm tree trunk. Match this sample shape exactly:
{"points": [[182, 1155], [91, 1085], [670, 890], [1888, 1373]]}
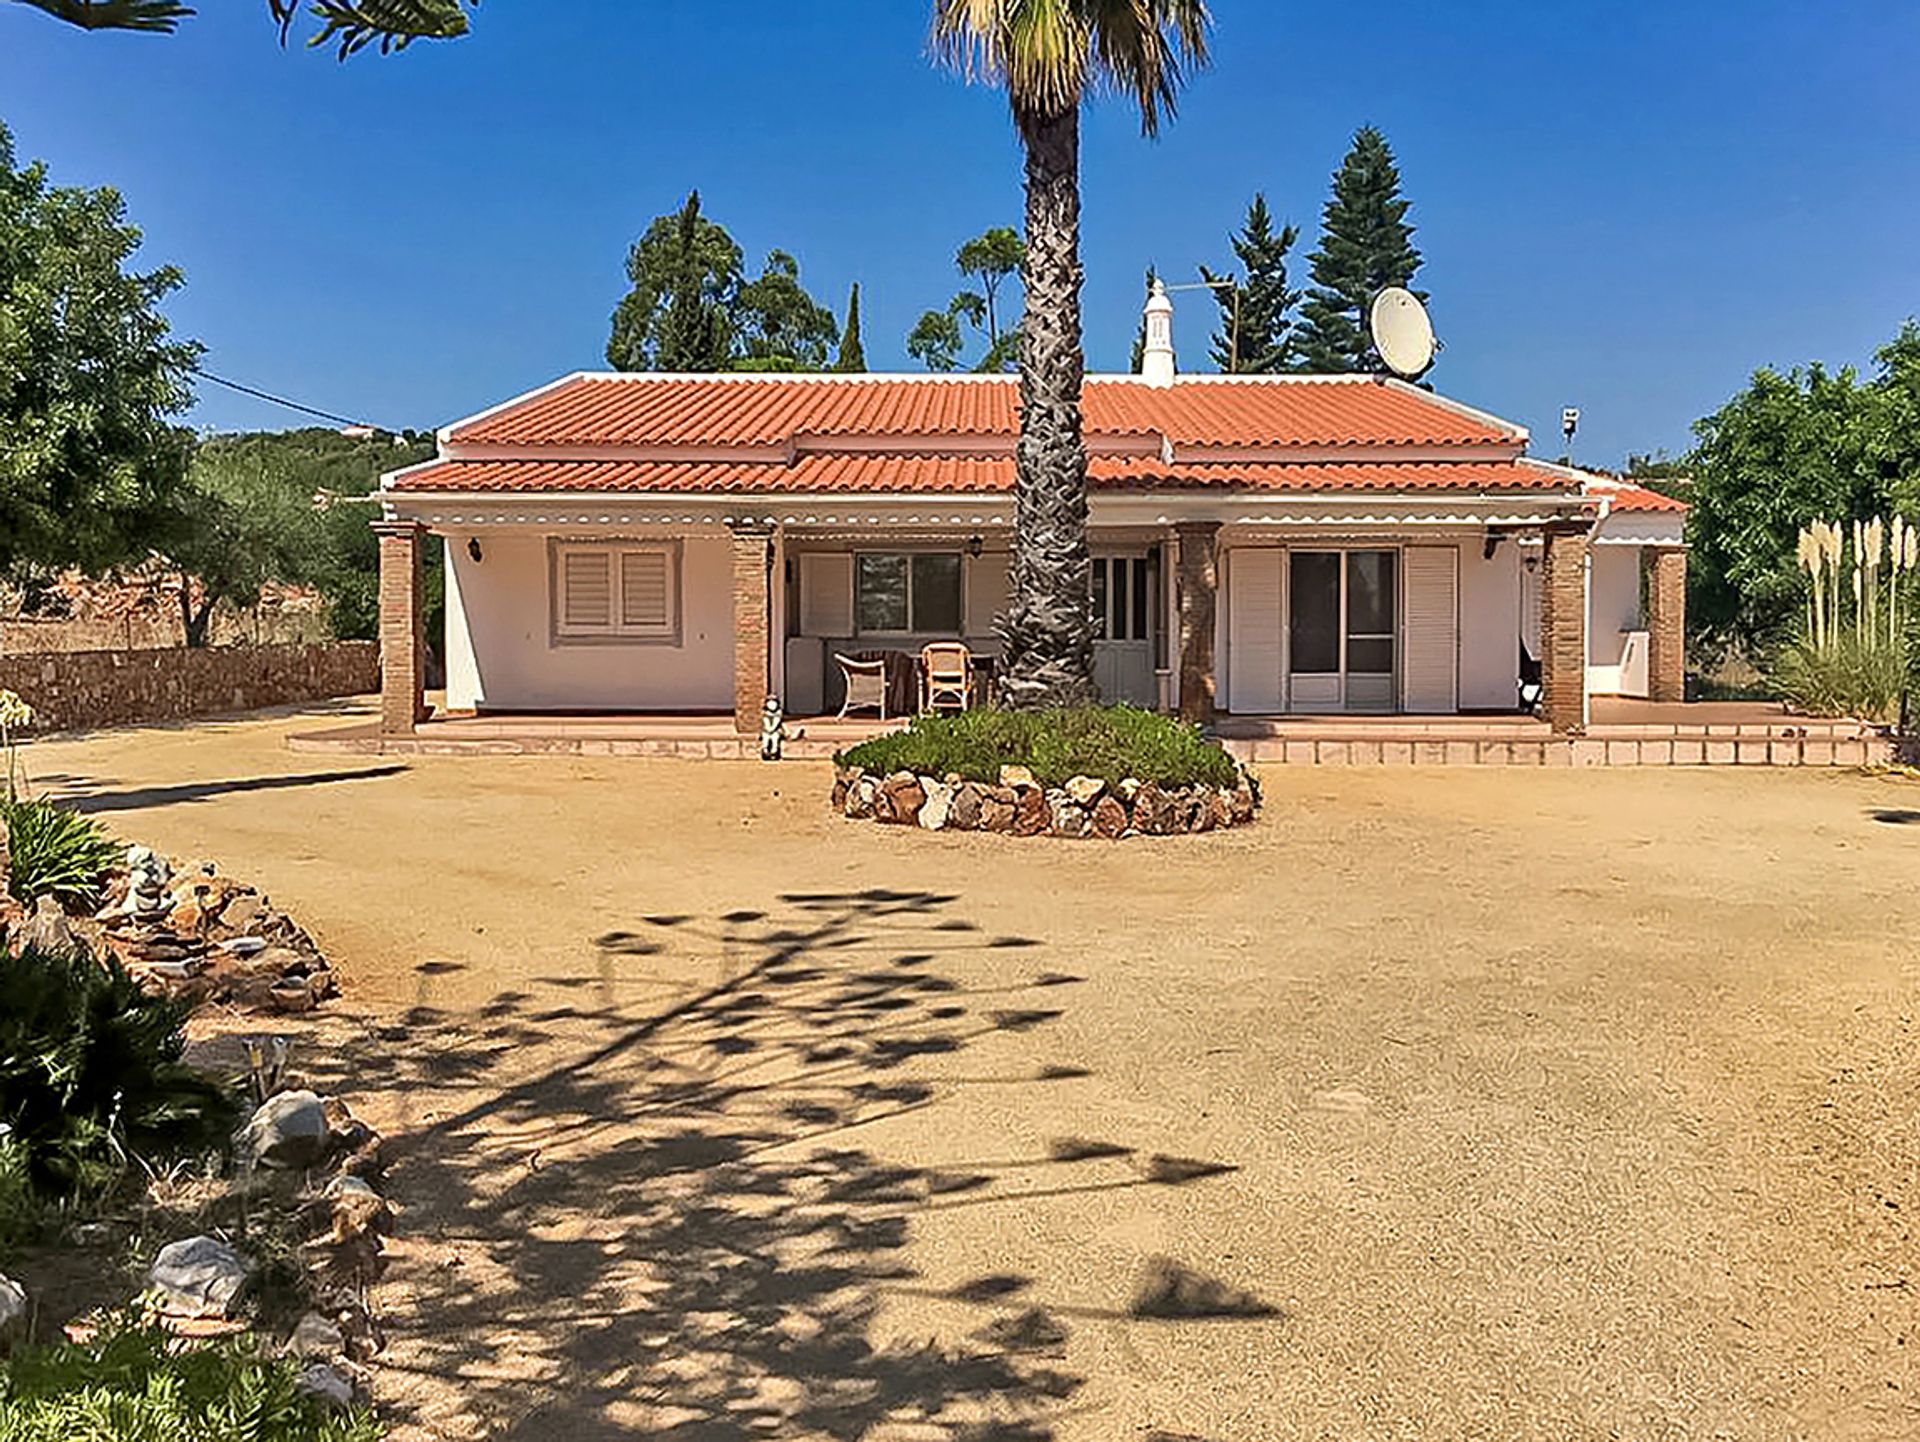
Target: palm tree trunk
{"points": [[1048, 629]]}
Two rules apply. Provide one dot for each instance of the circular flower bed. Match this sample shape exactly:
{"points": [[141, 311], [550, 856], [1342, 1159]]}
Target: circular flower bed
{"points": [[1100, 771]]}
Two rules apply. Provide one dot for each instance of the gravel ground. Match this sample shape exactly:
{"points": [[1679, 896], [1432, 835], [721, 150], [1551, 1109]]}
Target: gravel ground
{"points": [[1477, 1104]]}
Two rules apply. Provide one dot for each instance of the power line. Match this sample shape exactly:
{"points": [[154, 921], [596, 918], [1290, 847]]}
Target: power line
{"points": [[283, 401]]}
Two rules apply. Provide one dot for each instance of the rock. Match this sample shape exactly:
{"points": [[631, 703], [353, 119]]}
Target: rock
{"points": [[1017, 776], [965, 812], [1066, 817], [937, 809], [1243, 804], [317, 1338], [1195, 806], [862, 797], [241, 946], [1220, 809], [1152, 811], [1110, 818], [242, 911], [186, 917], [1030, 815], [292, 994], [1084, 789], [198, 1277], [995, 814], [839, 798], [358, 1210], [288, 1131], [900, 799], [1128, 788], [327, 1385], [139, 858], [13, 1312], [48, 930]]}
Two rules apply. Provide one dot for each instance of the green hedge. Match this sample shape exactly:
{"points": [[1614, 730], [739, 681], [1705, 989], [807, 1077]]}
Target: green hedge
{"points": [[1112, 743]]}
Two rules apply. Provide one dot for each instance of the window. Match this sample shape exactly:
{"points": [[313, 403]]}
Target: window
{"points": [[1121, 597], [918, 592], [616, 592]]}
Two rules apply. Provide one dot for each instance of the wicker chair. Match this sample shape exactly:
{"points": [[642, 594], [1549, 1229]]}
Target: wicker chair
{"points": [[946, 677], [866, 684]]}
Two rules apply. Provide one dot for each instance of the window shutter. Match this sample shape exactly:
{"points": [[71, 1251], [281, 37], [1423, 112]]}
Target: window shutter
{"points": [[646, 592], [1430, 629], [826, 593], [586, 590], [1254, 590], [987, 582]]}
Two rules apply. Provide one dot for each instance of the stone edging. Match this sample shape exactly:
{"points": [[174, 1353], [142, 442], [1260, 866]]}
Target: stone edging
{"points": [[1017, 805]]}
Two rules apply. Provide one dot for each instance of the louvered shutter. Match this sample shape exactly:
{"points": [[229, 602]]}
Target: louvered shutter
{"points": [[646, 593], [826, 593], [586, 591], [1430, 629], [1254, 586]]}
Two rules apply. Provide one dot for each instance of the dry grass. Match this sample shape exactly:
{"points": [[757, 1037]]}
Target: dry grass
{"points": [[1437, 1104]]}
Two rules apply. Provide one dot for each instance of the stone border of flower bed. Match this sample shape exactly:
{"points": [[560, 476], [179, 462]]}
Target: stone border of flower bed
{"points": [[1018, 805]]}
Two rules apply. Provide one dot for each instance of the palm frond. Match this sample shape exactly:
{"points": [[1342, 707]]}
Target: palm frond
{"points": [[1049, 54], [150, 15], [352, 25]]}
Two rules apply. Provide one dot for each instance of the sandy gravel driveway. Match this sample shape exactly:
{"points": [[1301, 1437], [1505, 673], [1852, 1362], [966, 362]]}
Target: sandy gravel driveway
{"points": [[1440, 1104]]}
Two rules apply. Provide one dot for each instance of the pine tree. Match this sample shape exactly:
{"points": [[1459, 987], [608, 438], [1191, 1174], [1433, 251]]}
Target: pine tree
{"points": [[1365, 246], [1264, 321], [853, 356]]}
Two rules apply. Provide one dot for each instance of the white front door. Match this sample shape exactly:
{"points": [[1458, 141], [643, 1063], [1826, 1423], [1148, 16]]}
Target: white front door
{"points": [[1125, 608]]}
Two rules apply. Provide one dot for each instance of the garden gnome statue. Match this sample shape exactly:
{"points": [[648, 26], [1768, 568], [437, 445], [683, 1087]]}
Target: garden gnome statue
{"points": [[772, 730]]}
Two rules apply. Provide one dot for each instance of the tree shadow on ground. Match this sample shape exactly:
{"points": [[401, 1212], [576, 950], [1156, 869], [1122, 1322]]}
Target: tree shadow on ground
{"points": [[641, 1206], [85, 796], [1895, 816]]}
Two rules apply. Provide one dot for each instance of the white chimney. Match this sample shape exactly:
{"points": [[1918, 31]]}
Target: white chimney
{"points": [[1156, 359]]}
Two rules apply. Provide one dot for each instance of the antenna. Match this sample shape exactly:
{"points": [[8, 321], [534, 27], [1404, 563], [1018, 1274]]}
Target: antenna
{"points": [[1402, 333], [1569, 423]]}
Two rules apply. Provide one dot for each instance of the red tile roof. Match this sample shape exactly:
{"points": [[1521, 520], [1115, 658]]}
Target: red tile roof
{"points": [[1628, 497], [955, 475], [758, 410]]}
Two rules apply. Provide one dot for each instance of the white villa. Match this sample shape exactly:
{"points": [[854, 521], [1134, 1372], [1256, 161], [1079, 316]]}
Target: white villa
{"points": [[1290, 545]]}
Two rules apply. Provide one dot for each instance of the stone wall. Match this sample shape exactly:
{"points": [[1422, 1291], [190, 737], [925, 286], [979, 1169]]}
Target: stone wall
{"points": [[75, 690], [1018, 805]]}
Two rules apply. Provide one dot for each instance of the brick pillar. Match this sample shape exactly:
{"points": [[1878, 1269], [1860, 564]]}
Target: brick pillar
{"points": [[1199, 582], [403, 637], [1563, 626], [752, 624], [1667, 622]]}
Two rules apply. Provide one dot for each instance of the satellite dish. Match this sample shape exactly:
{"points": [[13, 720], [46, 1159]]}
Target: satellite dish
{"points": [[1402, 334]]}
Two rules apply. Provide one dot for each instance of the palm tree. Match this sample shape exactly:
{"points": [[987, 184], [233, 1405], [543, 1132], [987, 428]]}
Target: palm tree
{"points": [[1050, 55], [350, 24]]}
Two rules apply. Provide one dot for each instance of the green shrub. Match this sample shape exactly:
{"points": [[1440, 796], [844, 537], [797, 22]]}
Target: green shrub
{"points": [[1844, 677], [91, 1075], [1108, 742], [19, 1207], [55, 852], [128, 1386]]}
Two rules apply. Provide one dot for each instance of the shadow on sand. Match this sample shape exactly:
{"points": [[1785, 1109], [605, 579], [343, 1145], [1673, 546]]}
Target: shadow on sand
{"points": [[638, 1207]]}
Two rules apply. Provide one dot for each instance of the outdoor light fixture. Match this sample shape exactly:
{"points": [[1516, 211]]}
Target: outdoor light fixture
{"points": [[473, 549], [975, 546]]}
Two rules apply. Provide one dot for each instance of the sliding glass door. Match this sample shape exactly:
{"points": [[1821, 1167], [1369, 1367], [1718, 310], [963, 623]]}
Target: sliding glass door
{"points": [[1342, 608]]}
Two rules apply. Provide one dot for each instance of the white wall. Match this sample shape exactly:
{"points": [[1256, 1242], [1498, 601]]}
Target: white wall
{"points": [[500, 655], [1613, 601], [1489, 627]]}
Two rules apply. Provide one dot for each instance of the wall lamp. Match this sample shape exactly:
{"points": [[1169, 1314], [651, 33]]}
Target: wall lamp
{"points": [[473, 549]]}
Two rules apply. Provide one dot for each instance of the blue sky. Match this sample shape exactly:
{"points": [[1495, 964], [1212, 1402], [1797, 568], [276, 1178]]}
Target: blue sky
{"points": [[1626, 207]]}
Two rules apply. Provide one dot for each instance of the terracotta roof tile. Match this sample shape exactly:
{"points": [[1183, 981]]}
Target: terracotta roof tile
{"points": [[1625, 496], [669, 411], [953, 475]]}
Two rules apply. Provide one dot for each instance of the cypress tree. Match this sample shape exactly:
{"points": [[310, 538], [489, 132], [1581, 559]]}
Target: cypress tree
{"points": [[853, 355], [695, 335], [1264, 303], [1365, 246]]}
